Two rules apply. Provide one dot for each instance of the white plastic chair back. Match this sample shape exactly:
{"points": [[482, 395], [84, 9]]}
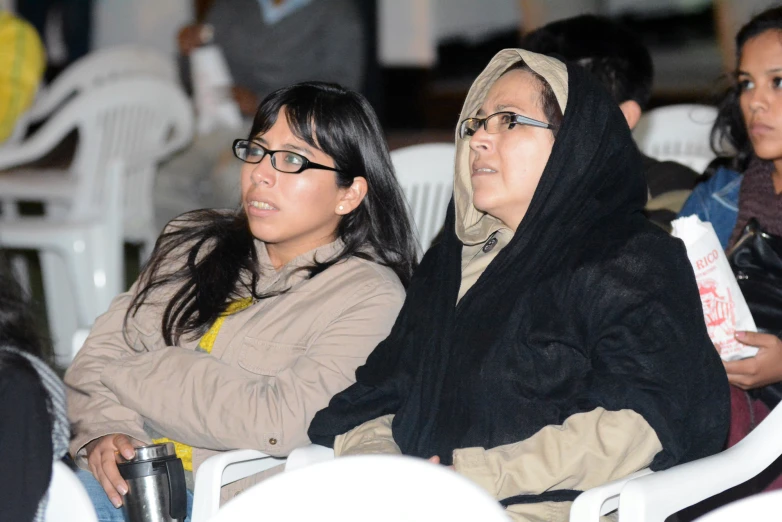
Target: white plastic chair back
{"points": [[678, 133], [381, 488], [426, 175], [138, 120], [141, 121], [101, 67], [68, 500], [81, 261], [764, 507], [657, 496]]}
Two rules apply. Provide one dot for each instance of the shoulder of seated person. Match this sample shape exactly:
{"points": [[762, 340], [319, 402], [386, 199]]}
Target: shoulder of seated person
{"points": [[20, 381], [641, 244]]}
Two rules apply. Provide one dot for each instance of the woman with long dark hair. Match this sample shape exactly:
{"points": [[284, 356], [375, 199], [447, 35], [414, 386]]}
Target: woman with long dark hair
{"points": [[749, 127], [747, 131], [244, 324]]}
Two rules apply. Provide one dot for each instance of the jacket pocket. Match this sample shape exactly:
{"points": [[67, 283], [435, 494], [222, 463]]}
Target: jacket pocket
{"points": [[268, 358]]}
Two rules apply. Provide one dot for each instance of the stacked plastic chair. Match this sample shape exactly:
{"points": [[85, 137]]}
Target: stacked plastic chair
{"points": [[139, 121]]}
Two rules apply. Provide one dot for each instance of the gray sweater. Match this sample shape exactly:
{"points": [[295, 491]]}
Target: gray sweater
{"points": [[323, 40]]}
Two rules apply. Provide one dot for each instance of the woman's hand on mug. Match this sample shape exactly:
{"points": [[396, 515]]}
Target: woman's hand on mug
{"points": [[763, 369], [102, 457]]}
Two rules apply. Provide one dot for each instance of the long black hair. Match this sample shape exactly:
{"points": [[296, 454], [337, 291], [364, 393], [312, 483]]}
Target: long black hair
{"points": [[730, 128], [19, 329], [221, 264]]}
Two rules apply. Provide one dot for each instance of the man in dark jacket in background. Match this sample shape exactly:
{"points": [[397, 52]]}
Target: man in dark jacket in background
{"points": [[623, 65]]}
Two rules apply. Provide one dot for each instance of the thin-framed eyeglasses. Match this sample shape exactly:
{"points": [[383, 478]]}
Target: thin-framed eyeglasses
{"points": [[282, 160], [498, 122]]}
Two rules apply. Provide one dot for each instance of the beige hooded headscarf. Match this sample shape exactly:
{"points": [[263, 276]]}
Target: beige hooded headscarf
{"points": [[483, 235]]}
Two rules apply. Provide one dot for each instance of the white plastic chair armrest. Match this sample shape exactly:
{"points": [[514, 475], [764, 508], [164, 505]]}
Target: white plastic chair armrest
{"points": [[308, 455], [658, 496], [223, 469], [47, 185], [666, 492], [44, 139], [590, 505]]}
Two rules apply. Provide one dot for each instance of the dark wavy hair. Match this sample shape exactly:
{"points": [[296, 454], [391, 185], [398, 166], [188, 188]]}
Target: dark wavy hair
{"points": [[220, 258], [729, 133], [19, 329]]}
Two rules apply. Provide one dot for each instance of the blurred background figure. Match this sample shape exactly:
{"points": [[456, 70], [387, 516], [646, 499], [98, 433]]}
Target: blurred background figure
{"points": [[75, 17], [269, 44]]}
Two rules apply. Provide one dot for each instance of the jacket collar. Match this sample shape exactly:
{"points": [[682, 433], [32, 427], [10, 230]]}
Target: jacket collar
{"points": [[290, 274]]}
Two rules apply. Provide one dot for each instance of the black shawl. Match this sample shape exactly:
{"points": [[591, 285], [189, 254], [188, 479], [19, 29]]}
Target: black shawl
{"points": [[589, 306]]}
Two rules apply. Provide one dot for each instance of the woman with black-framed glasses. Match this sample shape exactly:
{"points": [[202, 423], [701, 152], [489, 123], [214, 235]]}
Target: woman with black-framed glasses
{"points": [[553, 340], [244, 323]]}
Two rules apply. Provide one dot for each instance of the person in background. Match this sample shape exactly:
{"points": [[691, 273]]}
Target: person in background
{"points": [[34, 429], [749, 126], [552, 341], [749, 122], [22, 63], [245, 322], [622, 64], [272, 43]]}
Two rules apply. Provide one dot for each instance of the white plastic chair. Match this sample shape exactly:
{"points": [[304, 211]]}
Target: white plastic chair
{"points": [[678, 133], [68, 500], [81, 257], [382, 488], [764, 507], [139, 120], [93, 70], [655, 497], [426, 175], [230, 466], [590, 505]]}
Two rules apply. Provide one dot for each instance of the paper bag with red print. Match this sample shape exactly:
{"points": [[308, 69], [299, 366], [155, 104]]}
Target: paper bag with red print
{"points": [[724, 307]]}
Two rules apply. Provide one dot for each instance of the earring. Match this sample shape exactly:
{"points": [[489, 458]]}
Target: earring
{"points": [[341, 207]]}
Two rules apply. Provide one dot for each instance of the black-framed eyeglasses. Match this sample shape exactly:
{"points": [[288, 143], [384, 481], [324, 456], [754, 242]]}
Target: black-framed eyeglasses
{"points": [[498, 122], [282, 160]]}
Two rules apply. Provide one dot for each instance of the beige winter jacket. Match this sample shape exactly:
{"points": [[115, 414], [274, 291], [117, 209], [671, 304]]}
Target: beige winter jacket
{"points": [[590, 448], [272, 367]]}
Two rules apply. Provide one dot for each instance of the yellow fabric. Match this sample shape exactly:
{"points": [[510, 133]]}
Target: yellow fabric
{"points": [[22, 62], [207, 342]]}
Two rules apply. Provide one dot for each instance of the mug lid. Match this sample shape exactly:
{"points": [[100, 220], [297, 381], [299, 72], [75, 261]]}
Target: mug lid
{"points": [[154, 451]]}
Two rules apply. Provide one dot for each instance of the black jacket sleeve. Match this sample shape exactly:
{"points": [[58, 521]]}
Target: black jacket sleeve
{"points": [[25, 442], [651, 353]]}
